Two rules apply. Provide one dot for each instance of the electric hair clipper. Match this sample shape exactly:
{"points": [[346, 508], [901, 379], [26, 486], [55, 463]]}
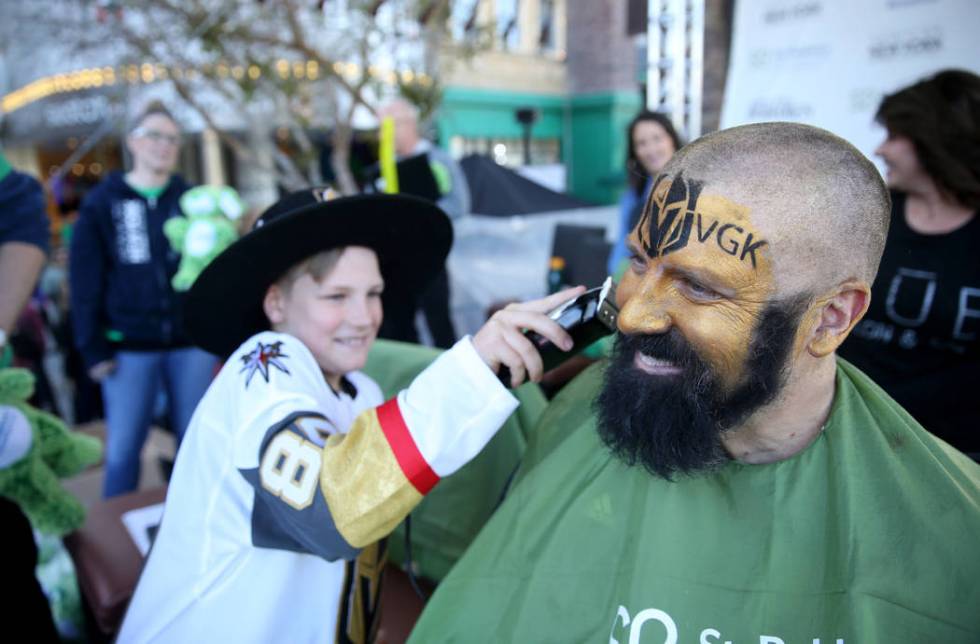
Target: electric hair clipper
{"points": [[587, 318]]}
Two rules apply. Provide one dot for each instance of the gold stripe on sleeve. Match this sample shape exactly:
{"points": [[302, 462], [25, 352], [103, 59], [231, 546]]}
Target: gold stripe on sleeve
{"points": [[363, 484]]}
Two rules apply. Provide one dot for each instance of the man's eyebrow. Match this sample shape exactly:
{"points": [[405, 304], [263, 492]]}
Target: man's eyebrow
{"points": [[703, 275]]}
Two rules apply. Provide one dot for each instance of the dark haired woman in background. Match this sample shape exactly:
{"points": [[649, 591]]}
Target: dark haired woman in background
{"points": [[920, 340], [651, 142]]}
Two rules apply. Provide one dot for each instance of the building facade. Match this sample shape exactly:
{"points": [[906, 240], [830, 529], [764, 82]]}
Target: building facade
{"points": [[569, 61]]}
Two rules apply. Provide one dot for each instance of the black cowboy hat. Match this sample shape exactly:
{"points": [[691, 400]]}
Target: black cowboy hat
{"points": [[411, 237]]}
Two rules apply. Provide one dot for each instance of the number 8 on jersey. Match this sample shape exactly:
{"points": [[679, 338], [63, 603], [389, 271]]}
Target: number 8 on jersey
{"points": [[291, 469]]}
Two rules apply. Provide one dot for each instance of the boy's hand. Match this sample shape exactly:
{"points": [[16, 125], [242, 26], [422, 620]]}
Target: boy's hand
{"points": [[501, 342]]}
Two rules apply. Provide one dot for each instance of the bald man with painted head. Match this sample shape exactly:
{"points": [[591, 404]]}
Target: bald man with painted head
{"points": [[725, 477]]}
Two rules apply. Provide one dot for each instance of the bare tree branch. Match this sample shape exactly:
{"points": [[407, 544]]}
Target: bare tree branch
{"points": [[275, 64]]}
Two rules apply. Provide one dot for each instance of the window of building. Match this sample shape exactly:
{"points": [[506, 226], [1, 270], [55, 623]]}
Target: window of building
{"points": [[508, 25], [546, 36], [636, 17], [463, 19]]}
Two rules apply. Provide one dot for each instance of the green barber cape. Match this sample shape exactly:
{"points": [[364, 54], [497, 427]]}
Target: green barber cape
{"points": [[871, 534], [451, 515]]}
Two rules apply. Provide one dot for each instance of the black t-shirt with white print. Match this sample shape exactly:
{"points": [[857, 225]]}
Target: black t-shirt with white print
{"points": [[920, 340]]}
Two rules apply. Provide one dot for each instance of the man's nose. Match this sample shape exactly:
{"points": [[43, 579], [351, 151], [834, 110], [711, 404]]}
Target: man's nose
{"points": [[645, 311]]}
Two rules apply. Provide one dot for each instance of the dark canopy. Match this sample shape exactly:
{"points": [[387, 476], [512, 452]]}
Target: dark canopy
{"points": [[499, 191]]}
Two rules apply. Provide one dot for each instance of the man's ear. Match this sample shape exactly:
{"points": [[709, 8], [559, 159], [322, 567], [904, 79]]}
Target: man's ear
{"points": [[837, 313], [274, 305]]}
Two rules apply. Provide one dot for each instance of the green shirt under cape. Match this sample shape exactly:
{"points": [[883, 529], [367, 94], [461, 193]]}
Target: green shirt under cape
{"points": [[871, 534]]}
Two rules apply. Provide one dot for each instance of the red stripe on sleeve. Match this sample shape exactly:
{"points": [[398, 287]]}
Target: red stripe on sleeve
{"points": [[410, 459]]}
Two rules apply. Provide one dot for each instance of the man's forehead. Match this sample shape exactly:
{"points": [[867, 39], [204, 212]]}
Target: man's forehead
{"points": [[685, 212], [716, 198]]}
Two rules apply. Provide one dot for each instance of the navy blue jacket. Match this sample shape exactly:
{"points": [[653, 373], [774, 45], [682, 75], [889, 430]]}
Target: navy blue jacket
{"points": [[22, 215], [120, 270]]}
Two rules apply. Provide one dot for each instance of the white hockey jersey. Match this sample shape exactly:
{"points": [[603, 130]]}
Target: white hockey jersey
{"points": [[281, 482]]}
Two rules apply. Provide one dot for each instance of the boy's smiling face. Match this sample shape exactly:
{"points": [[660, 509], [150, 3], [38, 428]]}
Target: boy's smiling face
{"points": [[338, 317]]}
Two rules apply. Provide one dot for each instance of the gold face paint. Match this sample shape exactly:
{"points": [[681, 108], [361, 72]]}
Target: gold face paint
{"points": [[701, 266]]}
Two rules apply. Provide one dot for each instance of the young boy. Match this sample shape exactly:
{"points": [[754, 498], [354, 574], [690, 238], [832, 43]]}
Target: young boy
{"points": [[292, 469]]}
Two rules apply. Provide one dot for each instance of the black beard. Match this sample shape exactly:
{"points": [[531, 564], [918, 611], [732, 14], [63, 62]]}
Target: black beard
{"points": [[674, 424]]}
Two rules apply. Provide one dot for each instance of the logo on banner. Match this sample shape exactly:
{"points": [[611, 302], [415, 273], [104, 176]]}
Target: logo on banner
{"points": [[799, 11], [779, 109], [906, 45], [902, 4]]}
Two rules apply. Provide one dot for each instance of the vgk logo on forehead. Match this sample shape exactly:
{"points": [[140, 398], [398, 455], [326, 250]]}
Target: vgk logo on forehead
{"points": [[665, 226], [672, 215]]}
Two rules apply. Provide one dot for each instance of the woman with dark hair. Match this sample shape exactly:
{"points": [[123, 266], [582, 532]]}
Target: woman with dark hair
{"points": [[651, 141], [920, 339]]}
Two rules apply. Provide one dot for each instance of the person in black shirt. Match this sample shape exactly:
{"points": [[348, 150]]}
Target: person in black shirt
{"points": [[920, 339]]}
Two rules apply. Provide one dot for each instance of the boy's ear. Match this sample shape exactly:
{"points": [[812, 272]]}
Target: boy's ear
{"points": [[273, 305]]}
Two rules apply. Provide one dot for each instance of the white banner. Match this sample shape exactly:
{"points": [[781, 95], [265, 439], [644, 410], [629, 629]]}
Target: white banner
{"points": [[829, 62]]}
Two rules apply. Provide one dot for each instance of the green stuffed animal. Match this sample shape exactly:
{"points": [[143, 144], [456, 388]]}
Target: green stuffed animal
{"points": [[36, 449], [206, 229]]}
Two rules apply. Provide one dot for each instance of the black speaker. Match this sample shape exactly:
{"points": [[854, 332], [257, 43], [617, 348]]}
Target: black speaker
{"points": [[585, 251]]}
